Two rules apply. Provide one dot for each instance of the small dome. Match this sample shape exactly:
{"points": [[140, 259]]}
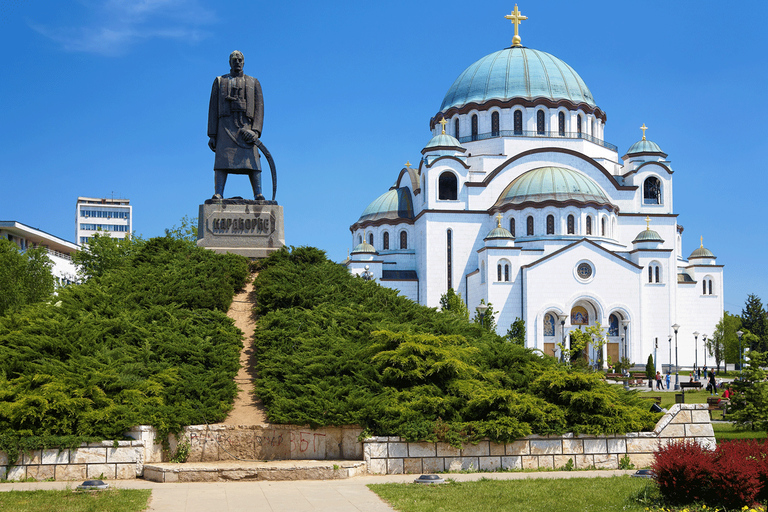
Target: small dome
{"points": [[364, 248], [644, 147], [517, 72], [499, 232], [553, 184], [647, 235], [701, 252], [443, 141], [393, 204]]}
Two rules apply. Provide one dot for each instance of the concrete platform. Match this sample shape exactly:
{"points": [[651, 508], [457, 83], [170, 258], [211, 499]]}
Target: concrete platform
{"points": [[224, 471]]}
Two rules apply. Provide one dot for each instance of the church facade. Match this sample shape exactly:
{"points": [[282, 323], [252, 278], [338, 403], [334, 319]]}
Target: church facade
{"points": [[518, 201]]}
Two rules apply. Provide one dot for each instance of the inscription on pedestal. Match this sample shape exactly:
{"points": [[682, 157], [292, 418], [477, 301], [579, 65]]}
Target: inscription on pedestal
{"points": [[263, 225], [245, 227]]}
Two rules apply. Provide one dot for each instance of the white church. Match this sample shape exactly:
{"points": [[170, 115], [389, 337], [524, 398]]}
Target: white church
{"points": [[518, 201]]}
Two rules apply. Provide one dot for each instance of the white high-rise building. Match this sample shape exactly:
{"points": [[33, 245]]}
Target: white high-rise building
{"points": [[113, 216], [59, 250]]}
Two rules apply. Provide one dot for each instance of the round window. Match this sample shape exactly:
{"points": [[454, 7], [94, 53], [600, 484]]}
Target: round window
{"points": [[584, 270]]}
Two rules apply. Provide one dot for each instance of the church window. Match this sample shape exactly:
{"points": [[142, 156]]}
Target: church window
{"points": [[571, 225], [447, 186], [474, 127], [602, 226], [613, 325], [652, 191], [370, 238], [529, 223], [403, 239], [540, 122], [549, 324], [589, 225], [550, 224], [518, 122], [584, 270], [650, 274], [456, 127], [498, 272], [706, 286], [506, 274], [495, 124], [654, 273], [385, 240], [657, 273], [359, 239], [512, 225], [449, 257], [482, 272], [578, 125], [561, 124], [710, 286]]}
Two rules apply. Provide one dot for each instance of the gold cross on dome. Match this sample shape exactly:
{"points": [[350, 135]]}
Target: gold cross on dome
{"points": [[647, 222], [701, 241], [443, 122], [408, 164], [516, 17], [498, 221], [643, 128]]}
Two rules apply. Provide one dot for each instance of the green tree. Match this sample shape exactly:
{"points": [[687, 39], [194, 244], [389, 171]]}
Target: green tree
{"points": [[749, 404], [723, 345], [650, 368], [451, 302], [753, 318], [187, 231], [487, 319], [103, 253], [516, 332], [25, 277], [597, 340]]}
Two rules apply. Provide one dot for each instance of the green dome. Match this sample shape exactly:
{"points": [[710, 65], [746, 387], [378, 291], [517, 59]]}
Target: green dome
{"points": [[365, 248], [701, 252], [647, 235], [499, 232], [517, 72], [443, 141], [553, 184], [393, 204], [645, 146]]}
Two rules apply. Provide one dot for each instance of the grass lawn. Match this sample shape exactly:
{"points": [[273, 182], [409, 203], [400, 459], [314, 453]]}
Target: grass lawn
{"points": [[535, 495], [728, 432], [112, 500]]}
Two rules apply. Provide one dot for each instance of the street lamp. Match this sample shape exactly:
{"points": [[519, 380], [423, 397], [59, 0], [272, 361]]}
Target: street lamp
{"points": [[367, 274], [677, 370], [741, 353], [704, 341], [669, 368], [625, 323], [562, 318], [696, 351], [481, 309]]}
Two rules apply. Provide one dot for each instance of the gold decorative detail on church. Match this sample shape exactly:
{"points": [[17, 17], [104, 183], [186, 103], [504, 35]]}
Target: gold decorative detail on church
{"points": [[408, 164], [647, 223], [516, 17], [701, 242], [498, 221], [443, 122], [643, 128]]}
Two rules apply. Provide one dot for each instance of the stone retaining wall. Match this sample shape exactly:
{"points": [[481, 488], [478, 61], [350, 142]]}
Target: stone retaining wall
{"points": [[391, 455]]}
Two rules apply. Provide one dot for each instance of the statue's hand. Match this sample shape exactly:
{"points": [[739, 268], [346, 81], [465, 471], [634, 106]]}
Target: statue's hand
{"points": [[249, 136], [212, 143]]}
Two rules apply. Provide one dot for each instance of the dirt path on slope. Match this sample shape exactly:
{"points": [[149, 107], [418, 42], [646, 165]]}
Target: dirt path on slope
{"points": [[248, 409]]}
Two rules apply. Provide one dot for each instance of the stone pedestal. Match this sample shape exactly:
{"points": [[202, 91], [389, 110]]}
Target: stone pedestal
{"points": [[250, 228]]}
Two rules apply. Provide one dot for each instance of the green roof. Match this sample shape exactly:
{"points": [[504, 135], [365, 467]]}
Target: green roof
{"points": [[701, 252], [364, 247], [552, 184], [393, 204], [647, 235]]}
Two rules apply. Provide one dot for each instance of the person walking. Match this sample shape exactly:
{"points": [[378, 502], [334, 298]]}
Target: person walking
{"points": [[659, 383], [669, 379], [712, 383]]}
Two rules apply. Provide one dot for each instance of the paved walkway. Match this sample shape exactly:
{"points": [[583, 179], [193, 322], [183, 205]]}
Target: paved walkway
{"points": [[350, 495]]}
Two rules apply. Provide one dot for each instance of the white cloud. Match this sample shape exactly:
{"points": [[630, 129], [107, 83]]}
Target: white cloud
{"points": [[113, 27]]}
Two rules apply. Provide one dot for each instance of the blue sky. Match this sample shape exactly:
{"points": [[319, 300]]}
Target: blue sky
{"points": [[109, 98]]}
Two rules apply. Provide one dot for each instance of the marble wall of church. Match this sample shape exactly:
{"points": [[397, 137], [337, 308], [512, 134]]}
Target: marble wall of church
{"points": [[392, 455]]}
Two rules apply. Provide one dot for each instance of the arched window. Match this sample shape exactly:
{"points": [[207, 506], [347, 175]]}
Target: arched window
{"points": [[518, 122], [482, 271], [456, 127], [385, 240], [359, 239], [403, 240], [706, 286], [529, 226], [654, 273], [512, 225], [540, 122], [561, 124], [474, 127], [710, 287], [370, 238], [447, 186], [550, 224], [449, 257], [650, 274], [571, 225], [602, 226], [506, 273], [613, 325], [498, 272], [578, 125], [495, 124], [589, 225], [652, 190], [657, 274]]}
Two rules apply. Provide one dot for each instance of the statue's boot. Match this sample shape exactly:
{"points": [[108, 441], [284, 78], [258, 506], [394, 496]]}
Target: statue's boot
{"points": [[255, 178], [220, 179]]}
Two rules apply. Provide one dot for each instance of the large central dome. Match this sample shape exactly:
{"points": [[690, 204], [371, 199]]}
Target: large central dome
{"points": [[517, 72], [553, 185]]}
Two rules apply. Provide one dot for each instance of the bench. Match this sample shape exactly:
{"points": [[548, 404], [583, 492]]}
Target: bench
{"points": [[614, 376], [636, 382], [715, 402], [695, 384]]}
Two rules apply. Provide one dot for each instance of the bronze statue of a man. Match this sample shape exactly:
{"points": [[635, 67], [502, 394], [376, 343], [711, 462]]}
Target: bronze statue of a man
{"points": [[235, 119]]}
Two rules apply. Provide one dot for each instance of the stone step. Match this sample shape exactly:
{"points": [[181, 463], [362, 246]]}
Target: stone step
{"points": [[223, 471]]}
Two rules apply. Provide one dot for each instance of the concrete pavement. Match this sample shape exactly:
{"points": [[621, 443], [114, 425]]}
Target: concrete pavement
{"points": [[349, 495]]}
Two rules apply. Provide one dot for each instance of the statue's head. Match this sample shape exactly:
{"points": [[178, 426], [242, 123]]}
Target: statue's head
{"points": [[236, 61]]}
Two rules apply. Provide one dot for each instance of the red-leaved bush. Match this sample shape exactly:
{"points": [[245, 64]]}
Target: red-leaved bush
{"points": [[733, 475]]}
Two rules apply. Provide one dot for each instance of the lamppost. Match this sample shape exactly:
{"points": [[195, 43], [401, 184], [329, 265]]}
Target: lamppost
{"points": [[367, 274], [669, 368], [696, 351], [677, 369], [625, 323], [655, 350], [481, 309], [741, 353], [562, 318], [704, 341]]}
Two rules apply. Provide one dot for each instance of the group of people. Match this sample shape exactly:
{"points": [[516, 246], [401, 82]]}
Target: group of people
{"points": [[711, 380], [660, 380]]}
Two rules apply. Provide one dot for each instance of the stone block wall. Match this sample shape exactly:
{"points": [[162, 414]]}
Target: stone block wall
{"points": [[391, 455], [122, 460]]}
